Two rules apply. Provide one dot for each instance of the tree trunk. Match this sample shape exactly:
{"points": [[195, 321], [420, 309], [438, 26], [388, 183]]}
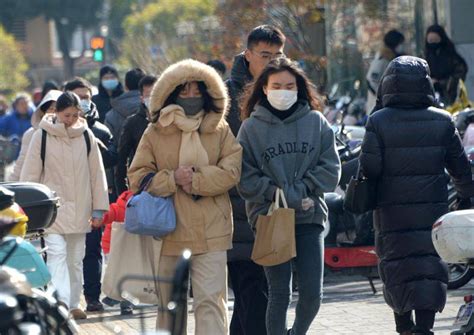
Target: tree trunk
{"points": [[65, 32], [68, 66]]}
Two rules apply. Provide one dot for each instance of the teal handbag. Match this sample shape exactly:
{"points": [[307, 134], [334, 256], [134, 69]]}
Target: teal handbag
{"points": [[21, 255]]}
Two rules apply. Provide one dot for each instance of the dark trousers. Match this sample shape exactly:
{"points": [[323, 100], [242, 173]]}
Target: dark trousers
{"points": [[309, 265], [424, 322], [92, 265], [250, 305]]}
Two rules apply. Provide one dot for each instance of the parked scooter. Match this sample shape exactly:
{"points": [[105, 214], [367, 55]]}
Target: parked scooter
{"points": [[452, 236], [460, 273], [23, 309], [345, 105], [39, 205], [349, 242]]}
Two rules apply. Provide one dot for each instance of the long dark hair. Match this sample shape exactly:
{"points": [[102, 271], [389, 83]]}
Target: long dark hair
{"points": [[446, 43], [254, 92]]}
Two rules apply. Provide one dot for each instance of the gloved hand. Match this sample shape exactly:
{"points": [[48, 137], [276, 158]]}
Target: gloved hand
{"points": [[307, 203]]}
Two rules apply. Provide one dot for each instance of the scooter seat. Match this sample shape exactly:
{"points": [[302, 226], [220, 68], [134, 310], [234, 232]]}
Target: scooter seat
{"points": [[335, 202]]}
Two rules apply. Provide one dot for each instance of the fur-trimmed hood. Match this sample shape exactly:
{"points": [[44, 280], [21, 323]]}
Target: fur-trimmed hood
{"points": [[186, 71]]}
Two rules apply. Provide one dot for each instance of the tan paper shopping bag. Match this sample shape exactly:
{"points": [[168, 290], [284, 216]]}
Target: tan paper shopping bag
{"points": [[132, 254], [275, 238]]}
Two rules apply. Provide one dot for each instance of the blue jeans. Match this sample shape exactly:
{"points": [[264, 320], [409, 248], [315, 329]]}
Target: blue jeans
{"points": [[309, 268]]}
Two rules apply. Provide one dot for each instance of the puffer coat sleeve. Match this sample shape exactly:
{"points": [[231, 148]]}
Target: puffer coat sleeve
{"points": [[98, 180], [144, 162], [212, 180], [371, 160]]}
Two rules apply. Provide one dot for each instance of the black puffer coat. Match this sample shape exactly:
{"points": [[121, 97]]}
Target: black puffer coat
{"points": [[243, 238], [103, 134], [132, 132], [406, 148]]}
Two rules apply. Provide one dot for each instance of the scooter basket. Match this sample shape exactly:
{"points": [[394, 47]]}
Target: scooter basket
{"points": [[38, 202]]}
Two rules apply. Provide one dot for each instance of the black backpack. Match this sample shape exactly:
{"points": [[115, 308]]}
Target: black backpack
{"points": [[44, 135]]}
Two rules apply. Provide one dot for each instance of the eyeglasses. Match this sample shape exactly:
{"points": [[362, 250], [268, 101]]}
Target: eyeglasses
{"points": [[268, 56]]}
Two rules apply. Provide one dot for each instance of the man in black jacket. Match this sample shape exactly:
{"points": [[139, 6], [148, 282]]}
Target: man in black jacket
{"points": [[247, 278], [109, 88], [132, 132], [92, 263], [406, 149]]}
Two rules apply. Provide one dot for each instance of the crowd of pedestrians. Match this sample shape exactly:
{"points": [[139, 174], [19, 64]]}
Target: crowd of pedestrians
{"points": [[222, 150]]}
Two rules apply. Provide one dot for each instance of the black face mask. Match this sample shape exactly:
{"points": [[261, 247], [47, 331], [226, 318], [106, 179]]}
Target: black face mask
{"points": [[433, 46], [191, 106]]}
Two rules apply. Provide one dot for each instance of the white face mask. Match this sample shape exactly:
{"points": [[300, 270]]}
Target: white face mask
{"points": [[282, 99], [85, 105], [146, 102]]}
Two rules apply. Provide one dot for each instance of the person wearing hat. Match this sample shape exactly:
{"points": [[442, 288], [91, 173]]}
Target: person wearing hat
{"points": [[46, 106], [393, 46], [48, 86], [109, 88]]}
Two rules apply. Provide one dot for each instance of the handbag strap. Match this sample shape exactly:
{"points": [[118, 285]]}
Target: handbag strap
{"points": [[360, 175], [146, 181]]}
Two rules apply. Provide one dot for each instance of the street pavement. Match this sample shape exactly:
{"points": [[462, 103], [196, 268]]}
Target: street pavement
{"points": [[349, 307]]}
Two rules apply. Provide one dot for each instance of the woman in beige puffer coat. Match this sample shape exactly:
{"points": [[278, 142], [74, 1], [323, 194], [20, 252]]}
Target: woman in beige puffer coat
{"points": [[196, 160], [73, 168]]}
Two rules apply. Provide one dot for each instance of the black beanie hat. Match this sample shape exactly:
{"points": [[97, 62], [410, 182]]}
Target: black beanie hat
{"points": [[108, 69], [393, 38]]}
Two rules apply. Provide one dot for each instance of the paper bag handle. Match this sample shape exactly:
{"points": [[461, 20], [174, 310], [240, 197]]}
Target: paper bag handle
{"points": [[279, 194]]}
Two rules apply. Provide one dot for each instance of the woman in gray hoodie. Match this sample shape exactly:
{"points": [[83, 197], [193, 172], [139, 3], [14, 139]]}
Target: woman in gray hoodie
{"points": [[289, 145]]}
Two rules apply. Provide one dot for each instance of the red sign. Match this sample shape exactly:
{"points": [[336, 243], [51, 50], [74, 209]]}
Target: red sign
{"points": [[97, 43]]}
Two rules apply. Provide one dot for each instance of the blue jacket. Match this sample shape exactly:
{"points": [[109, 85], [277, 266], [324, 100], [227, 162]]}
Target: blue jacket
{"points": [[13, 124]]}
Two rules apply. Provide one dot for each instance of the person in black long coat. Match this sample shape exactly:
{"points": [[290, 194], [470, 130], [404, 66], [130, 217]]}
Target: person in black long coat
{"points": [[407, 147], [446, 65]]}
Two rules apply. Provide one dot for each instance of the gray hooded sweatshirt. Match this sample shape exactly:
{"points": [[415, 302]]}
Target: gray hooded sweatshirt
{"points": [[123, 106], [297, 154]]}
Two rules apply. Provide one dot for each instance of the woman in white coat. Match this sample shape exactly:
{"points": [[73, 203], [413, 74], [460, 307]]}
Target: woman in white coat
{"points": [[72, 166]]}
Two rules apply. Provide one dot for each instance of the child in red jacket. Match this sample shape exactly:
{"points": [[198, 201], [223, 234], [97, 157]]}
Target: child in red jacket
{"points": [[116, 213]]}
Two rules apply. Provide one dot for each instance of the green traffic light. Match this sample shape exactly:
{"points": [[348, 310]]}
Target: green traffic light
{"points": [[98, 55]]}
